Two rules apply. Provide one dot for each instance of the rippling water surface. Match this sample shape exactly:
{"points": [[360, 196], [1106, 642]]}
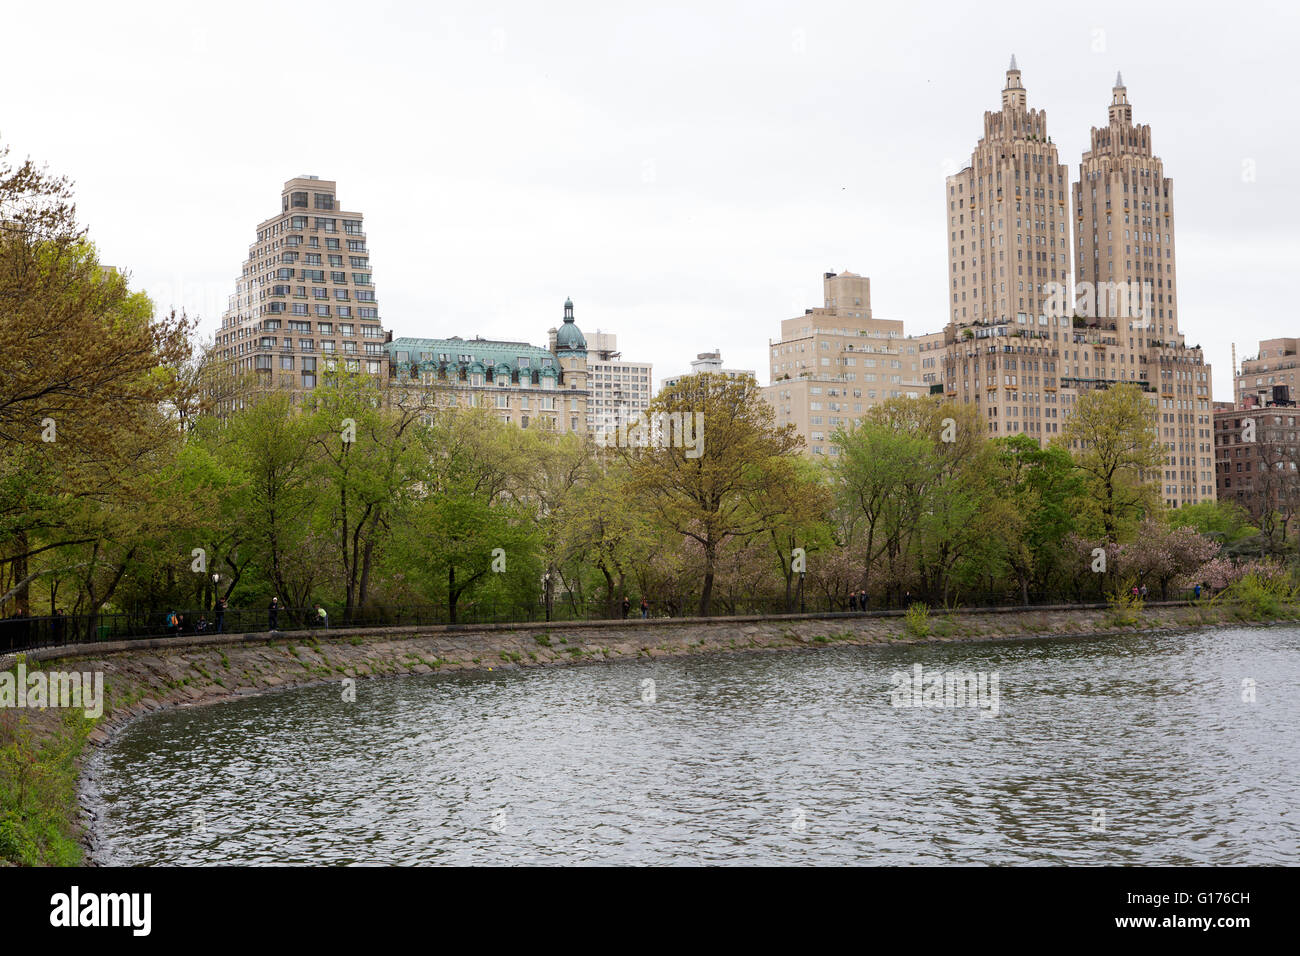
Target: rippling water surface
{"points": [[1127, 750]]}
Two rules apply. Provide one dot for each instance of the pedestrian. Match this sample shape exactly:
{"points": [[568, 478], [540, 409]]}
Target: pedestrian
{"points": [[862, 599], [322, 617], [1198, 592], [221, 615], [645, 609], [853, 600], [1144, 592], [273, 613], [1135, 591], [173, 622], [627, 605]]}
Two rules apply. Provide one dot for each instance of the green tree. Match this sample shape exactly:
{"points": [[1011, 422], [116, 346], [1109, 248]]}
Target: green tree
{"points": [[1111, 434], [724, 486]]}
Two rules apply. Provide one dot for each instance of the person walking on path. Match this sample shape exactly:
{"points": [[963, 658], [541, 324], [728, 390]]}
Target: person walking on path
{"points": [[221, 615], [323, 617], [273, 613], [853, 600], [862, 599], [645, 609], [627, 605]]}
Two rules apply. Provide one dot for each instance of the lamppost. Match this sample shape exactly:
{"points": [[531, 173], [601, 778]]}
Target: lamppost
{"points": [[546, 593], [802, 576]]}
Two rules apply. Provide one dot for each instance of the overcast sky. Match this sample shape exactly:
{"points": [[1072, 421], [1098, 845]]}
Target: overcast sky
{"points": [[686, 172]]}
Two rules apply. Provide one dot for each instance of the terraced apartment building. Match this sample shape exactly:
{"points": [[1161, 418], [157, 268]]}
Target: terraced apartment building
{"points": [[304, 303]]}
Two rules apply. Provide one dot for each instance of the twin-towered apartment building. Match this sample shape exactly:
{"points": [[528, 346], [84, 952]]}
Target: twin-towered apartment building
{"points": [[1021, 341]]}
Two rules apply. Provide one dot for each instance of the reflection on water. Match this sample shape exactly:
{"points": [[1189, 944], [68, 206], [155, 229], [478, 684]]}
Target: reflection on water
{"points": [[1119, 750]]}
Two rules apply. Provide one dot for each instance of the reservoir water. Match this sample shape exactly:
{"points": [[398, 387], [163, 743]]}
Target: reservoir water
{"points": [[1143, 749]]}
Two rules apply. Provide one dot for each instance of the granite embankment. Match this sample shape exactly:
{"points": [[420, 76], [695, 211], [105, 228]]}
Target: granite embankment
{"points": [[142, 676]]}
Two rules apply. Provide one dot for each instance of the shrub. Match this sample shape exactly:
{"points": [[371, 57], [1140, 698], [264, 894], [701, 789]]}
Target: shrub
{"points": [[1125, 609], [917, 621], [1257, 597]]}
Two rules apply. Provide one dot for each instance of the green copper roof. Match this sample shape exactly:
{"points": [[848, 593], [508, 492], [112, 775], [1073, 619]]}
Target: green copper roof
{"points": [[487, 352], [569, 337]]}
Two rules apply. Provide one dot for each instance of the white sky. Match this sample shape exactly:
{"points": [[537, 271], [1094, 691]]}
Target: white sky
{"points": [[685, 171]]}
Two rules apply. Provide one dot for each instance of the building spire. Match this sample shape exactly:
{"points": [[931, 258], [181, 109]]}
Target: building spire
{"points": [[1013, 94], [1121, 111]]}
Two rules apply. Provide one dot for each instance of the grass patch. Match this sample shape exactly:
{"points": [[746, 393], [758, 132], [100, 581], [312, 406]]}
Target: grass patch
{"points": [[38, 787]]}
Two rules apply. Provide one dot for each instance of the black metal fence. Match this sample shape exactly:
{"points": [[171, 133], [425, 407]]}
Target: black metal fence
{"points": [[24, 633]]}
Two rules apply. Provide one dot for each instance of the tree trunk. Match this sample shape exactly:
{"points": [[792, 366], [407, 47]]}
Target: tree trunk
{"points": [[451, 595], [706, 596]]}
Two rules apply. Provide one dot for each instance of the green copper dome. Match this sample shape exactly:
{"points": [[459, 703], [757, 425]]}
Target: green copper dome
{"points": [[569, 336]]}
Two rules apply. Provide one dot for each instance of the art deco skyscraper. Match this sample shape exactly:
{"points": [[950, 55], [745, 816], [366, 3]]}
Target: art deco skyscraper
{"points": [[304, 304], [1124, 206], [1008, 250], [1007, 216], [1124, 233]]}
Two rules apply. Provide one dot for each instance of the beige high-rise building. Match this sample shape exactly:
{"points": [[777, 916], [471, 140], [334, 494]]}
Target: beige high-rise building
{"points": [[834, 362], [618, 389], [304, 303], [1020, 344]]}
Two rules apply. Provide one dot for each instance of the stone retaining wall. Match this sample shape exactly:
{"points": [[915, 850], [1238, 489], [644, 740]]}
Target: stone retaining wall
{"points": [[147, 675]]}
